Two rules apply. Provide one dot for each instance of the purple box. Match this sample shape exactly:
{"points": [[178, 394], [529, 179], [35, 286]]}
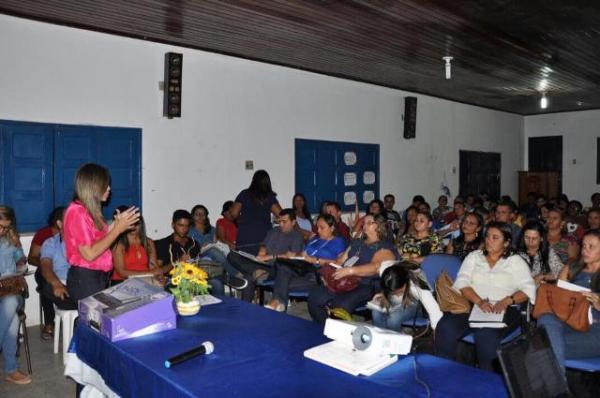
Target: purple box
{"points": [[131, 309]]}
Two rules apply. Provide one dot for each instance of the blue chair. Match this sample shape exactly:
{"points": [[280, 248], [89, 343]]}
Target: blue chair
{"points": [[590, 365], [432, 267]]}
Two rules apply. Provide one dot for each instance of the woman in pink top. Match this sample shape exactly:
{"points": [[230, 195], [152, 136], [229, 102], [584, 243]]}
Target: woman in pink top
{"points": [[87, 235]]}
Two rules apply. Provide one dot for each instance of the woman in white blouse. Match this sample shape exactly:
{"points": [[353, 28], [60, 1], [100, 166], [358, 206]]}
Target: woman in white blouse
{"points": [[494, 279]]}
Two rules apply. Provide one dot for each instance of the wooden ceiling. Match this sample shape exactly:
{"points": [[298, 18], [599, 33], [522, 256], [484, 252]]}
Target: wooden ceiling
{"points": [[505, 52]]}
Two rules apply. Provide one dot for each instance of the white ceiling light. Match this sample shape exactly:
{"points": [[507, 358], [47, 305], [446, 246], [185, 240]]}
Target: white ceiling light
{"points": [[543, 101], [448, 59]]}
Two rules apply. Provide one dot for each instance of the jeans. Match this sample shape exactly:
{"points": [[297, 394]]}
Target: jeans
{"points": [[568, 343], [218, 256], [395, 319], [452, 327], [247, 268], [320, 298], [286, 280], [47, 293], [9, 328], [217, 286]]}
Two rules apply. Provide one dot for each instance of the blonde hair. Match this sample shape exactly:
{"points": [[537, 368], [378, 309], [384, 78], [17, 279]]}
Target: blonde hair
{"points": [[91, 182]]}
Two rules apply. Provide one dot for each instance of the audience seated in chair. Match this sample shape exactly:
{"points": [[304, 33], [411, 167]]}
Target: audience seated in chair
{"points": [[362, 259], [394, 219], [54, 268], [564, 243], [180, 247], [11, 256], [285, 239], [333, 208], [506, 213], [415, 246], [402, 289], [543, 261], [34, 259], [135, 254], [566, 342], [321, 249], [470, 238], [494, 279]]}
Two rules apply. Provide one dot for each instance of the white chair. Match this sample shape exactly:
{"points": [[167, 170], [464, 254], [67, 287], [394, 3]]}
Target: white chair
{"points": [[67, 318]]}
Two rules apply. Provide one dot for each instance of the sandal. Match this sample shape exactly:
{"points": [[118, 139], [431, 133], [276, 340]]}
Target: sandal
{"points": [[47, 332], [18, 377]]}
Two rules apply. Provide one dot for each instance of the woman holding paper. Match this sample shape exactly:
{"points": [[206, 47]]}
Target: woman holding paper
{"points": [[11, 256], [566, 342], [321, 249], [494, 280], [362, 259]]}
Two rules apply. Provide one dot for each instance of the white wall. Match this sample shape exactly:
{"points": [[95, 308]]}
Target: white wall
{"points": [[580, 132], [234, 110]]}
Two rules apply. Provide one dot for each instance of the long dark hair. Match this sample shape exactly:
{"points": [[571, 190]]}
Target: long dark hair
{"points": [[329, 220], [396, 277], [543, 250], [506, 232], [260, 187], [141, 234], [207, 227], [305, 211], [407, 224], [475, 243], [579, 265], [382, 209]]}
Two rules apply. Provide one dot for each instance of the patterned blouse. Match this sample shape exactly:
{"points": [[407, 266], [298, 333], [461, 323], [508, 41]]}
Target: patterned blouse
{"points": [[562, 247], [409, 244]]}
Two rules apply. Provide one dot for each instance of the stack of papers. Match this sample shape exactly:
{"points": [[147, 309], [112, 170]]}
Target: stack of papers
{"points": [[342, 357], [480, 319]]}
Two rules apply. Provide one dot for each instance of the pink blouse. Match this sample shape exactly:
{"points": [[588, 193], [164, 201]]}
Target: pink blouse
{"points": [[80, 230]]}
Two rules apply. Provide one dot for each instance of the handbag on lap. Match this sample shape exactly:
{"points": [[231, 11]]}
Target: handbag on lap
{"points": [[12, 286], [568, 306], [342, 285], [449, 299]]}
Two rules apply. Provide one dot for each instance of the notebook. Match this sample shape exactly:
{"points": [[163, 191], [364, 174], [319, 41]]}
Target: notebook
{"points": [[531, 369], [480, 319]]}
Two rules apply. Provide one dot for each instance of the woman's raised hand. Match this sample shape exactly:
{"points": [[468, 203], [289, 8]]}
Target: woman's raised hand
{"points": [[127, 219]]}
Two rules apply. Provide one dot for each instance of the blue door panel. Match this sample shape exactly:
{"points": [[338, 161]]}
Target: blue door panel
{"points": [[27, 172], [321, 168]]}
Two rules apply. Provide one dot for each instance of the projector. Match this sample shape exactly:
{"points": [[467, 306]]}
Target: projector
{"points": [[368, 338]]}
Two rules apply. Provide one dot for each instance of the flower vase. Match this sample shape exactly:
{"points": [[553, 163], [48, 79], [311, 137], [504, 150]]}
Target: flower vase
{"points": [[188, 309]]}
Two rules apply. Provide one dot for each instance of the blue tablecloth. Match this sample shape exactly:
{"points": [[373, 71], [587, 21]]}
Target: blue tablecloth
{"points": [[259, 352]]}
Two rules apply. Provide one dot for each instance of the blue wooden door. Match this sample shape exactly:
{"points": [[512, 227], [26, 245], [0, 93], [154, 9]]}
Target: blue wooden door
{"points": [[27, 172]]}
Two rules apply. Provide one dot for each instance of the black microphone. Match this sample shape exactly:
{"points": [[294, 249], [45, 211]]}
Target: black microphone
{"points": [[204, 349]]}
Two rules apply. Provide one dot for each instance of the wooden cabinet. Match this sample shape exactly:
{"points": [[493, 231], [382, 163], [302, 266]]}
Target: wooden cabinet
{"points": [[546, 183]]}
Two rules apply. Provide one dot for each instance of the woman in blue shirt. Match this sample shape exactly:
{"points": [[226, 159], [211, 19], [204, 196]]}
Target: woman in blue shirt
{"points": [[11, 255], [323, 248], [362, 259]]}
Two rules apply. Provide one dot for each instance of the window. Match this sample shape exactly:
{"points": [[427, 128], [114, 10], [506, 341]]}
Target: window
{"points": [[340, 171], [39, 162]]}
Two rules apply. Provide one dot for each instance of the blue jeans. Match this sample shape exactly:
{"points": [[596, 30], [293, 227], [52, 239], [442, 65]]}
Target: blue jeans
{"points": [[218, 256], [217, 287], [9, 327], [568, 343], [395, 319]]}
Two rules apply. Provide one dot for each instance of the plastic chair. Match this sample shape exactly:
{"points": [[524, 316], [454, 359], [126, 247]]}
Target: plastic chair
{"points": [[67, 318], [434, 264], [432, 267], [590, 365]]}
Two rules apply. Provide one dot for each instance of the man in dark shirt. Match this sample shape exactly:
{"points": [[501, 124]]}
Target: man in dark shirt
{"points": [[394, 220], [180, 247], [283, 240]]}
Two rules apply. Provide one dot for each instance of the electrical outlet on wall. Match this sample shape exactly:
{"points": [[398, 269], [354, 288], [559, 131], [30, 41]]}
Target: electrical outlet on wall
{"points": [[249, 164]]}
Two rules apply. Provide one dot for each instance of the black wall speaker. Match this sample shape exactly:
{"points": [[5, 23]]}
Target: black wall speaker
{"points": [[172, 99], [410, 117]]}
